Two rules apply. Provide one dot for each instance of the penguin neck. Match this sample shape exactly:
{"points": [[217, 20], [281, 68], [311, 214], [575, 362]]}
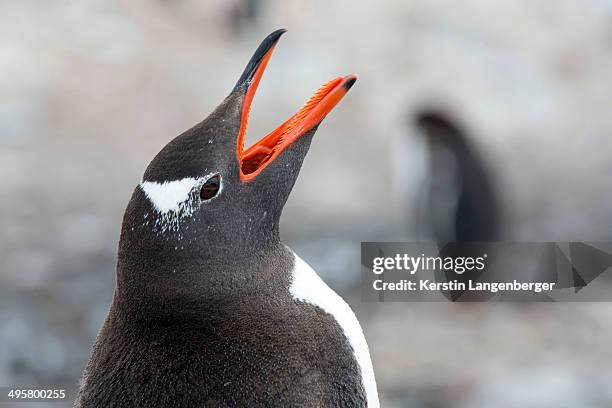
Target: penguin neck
{"points": [[175, 283]]}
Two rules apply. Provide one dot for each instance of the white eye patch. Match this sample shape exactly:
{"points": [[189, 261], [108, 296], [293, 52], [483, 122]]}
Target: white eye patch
{"points": [[172, 199], [169, 195]]}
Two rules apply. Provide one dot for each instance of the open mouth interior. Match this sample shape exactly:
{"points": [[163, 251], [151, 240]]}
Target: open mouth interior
{"points": [[254, 159]]}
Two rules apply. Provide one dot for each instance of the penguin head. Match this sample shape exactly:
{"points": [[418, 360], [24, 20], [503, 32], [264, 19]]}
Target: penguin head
{"points": [[205, 196]]}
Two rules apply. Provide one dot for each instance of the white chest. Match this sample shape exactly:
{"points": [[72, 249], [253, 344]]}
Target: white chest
{"points": [[308, 287]]}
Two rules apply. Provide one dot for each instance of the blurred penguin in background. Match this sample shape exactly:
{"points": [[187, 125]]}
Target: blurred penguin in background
{"points": [[461, 204]]}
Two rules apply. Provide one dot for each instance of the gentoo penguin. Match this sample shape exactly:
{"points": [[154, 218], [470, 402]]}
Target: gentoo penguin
{"points": [[462, 203], [211, 309]]}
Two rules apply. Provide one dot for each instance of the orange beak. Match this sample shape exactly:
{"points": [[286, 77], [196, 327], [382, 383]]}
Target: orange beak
{"points": [[254, 159]]}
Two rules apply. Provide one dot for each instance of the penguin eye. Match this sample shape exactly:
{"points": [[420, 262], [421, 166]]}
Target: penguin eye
{"points": [[210, 188]]}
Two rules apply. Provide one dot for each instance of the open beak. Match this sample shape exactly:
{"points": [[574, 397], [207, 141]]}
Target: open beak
{"points": [[254, 159]]}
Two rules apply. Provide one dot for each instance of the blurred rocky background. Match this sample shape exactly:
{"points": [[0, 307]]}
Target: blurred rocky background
{"points": [[90, 90]]}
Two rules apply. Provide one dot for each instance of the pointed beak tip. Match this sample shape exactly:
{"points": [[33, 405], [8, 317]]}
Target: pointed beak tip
{"points": [[349, 81], [275, 35]]}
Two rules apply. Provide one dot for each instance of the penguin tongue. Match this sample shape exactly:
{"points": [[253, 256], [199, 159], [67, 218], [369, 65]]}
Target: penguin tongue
{"points": [[254, 159]]}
